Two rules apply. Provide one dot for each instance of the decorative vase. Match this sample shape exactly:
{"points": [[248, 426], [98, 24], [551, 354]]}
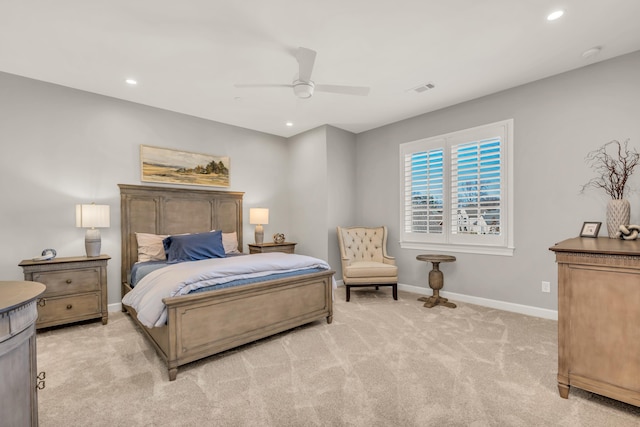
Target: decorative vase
{"points": [[618, 213]]}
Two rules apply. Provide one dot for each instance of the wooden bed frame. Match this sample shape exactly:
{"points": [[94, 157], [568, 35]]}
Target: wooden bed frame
{"points": [[207, 323]]}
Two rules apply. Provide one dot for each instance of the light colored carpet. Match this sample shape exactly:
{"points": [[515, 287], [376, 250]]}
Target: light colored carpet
{"points": [[380, 363]]}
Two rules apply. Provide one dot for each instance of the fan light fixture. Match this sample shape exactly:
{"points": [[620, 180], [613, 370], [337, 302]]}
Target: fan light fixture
{"points": [[302, 89]]}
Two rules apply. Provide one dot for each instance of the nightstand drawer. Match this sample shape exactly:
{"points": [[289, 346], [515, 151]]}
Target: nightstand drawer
{"points": [[69, 281], [62, 309], [258, 248]]}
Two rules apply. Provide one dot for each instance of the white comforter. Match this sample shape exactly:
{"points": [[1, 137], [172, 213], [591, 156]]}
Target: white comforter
{"points": [[180, 279]]}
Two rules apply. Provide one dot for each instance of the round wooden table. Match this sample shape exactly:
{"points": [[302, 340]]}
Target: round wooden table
{"points": [[436, 280]]}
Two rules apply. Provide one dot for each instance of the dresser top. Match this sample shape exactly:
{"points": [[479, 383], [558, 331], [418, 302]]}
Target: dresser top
{"points": [[600, 245], [14, 293]]}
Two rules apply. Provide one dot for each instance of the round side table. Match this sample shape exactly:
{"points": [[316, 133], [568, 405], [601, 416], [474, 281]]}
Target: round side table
{"points": [[436, 280]]}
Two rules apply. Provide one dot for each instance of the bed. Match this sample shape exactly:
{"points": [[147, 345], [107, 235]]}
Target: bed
{"points": [[203, 324]]}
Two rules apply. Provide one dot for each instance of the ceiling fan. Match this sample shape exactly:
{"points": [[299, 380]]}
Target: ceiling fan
{"points": [[303, 86]]}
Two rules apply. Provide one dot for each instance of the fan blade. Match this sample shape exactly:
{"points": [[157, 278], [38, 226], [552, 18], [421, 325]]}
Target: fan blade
{"points": [[261, 85], [306, 58], [345, 90]]}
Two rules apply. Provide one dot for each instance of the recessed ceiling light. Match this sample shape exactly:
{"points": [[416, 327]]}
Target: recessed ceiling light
{"points": [[555, 15], [289, 124], [131, 82]]}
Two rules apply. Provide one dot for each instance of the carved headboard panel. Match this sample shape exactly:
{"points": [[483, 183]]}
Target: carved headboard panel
{"points": [[165, 210]]}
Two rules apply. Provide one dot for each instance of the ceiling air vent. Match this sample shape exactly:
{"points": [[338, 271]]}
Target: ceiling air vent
{"points": [[422, 88]]}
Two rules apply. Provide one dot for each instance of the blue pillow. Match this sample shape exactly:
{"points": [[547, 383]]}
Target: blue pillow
{"points": [[193, 247]]}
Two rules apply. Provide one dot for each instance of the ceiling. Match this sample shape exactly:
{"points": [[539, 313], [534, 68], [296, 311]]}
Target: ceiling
{"points": [[187, 55]]}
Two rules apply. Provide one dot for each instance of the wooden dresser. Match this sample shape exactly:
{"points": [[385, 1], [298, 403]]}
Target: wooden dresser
{"points": [[18, 362], [76, 289], [599, 317]]}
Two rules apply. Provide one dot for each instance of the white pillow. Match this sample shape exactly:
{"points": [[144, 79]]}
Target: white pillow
{"points": [[150, 247], [230, 243]]}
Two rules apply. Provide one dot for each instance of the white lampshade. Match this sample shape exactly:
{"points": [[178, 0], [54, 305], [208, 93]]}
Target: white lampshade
{"points": [[92, 217], [258, 216]]}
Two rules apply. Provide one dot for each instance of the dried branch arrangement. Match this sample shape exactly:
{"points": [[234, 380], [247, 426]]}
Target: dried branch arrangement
{"points": [[614, 163]]}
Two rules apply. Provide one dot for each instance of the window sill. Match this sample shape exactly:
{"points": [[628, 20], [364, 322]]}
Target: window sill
{"points": [[468, 249]]}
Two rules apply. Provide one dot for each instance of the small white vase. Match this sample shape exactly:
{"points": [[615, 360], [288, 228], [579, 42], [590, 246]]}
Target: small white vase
{"points": [[618, 213]]}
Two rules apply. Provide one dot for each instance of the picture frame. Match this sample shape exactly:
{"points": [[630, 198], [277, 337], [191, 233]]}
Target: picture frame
{"points": [[590, 229], [169, 166]]}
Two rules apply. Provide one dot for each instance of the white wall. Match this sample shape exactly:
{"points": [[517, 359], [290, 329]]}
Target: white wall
{"points": [[62, 146], [557, 122]]}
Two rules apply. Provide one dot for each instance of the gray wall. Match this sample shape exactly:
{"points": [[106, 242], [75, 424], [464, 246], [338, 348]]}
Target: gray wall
{"points": [[322, 190], [558, 120], [341, 178], [62, 146], [307, 192]]}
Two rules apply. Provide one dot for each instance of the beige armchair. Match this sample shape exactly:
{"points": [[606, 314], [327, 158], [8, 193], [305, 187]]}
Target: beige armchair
{"points": [[365, 262]]}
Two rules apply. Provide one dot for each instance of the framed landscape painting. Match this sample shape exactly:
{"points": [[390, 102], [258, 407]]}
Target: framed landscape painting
{"points": [[182, 167]]}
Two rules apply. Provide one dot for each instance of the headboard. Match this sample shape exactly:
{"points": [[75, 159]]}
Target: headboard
{"points": [[167, 210]]}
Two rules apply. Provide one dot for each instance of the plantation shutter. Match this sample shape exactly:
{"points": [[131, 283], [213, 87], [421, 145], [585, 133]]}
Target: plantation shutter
{"points": [[456, 191], [424, 191], [476, 187]]}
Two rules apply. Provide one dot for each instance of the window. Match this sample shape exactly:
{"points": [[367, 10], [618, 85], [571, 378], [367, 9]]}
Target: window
{"points": [[457, 191]]}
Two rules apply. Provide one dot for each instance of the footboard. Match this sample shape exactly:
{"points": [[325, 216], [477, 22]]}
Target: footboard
{"points": [[200, 325]]}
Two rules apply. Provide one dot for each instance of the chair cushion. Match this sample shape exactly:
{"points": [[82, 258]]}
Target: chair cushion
{"points": [[370, 272]]}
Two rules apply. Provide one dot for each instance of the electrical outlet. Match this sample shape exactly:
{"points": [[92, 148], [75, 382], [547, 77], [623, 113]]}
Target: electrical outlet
{"points": [[546, 286]]}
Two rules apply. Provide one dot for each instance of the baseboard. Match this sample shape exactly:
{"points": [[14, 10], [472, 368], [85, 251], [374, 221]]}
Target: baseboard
{"points": [[114, 307], [485, 302]]}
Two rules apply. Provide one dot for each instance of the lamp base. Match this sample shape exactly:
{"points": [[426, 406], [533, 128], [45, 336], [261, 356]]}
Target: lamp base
{"points": [[92, 242], [259, 235]]}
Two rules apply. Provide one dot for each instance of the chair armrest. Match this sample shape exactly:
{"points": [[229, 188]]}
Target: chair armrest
{"points": [[386, 259], [346, 262]]}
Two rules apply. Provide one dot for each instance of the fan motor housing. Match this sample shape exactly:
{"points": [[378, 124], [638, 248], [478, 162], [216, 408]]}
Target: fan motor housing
{"points": [[303, 89]]}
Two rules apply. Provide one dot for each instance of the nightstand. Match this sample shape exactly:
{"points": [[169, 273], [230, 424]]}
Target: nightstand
{"points": [[76, 289], [258, 248]]}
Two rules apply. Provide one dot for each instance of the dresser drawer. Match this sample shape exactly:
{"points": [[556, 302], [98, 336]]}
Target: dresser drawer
{"points": [[63, 282], [64, 309]]}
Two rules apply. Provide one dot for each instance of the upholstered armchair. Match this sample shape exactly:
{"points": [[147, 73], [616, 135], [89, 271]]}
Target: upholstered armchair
{"points": [[365, 262]]}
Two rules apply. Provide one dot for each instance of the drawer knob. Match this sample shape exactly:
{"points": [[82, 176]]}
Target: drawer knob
{"points": [[69, 306], [68, 281], [42, 302], [41, 383]]}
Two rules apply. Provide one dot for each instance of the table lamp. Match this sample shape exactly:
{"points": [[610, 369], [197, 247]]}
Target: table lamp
{"points": [[258, 217], [92, 217]]}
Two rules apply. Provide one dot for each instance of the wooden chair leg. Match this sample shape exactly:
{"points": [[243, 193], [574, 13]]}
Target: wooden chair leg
{"points": [[348, 292], [395, 291]]}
